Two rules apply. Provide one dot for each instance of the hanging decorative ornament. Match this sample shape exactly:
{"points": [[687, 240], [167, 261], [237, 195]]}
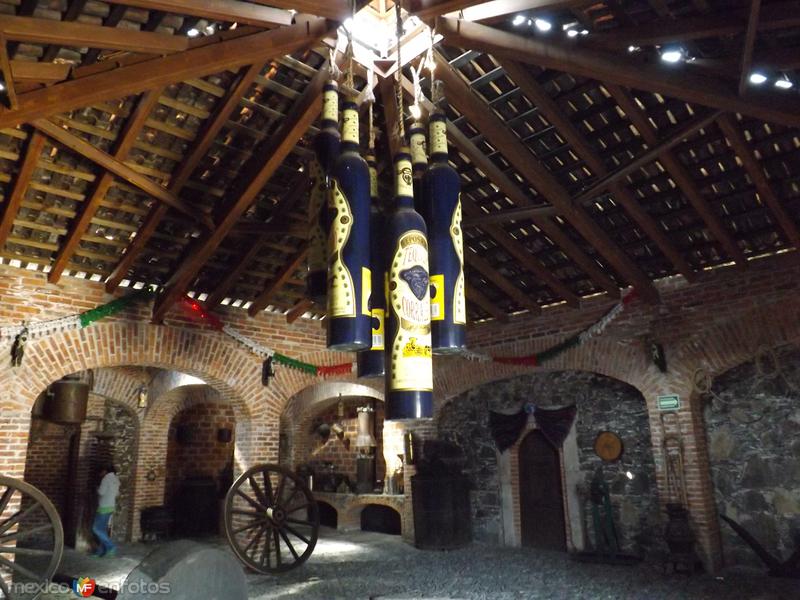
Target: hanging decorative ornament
{"points": [[349, 279], [327, 145], [409, 378], [316, 283], [419, 165], [372, 363], [441, 187]]}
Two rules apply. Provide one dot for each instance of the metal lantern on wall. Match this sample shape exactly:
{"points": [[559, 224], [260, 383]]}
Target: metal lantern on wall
{"points": [[66, 401], [442, 190], [372, 362], [409, 376], [349, 278]]}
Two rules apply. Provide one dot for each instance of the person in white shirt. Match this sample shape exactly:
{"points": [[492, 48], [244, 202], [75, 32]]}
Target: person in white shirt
{"points": [[107, 503]]}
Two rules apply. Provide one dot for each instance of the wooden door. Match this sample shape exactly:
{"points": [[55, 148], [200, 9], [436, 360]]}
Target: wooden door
{"points": [[541, 494]]}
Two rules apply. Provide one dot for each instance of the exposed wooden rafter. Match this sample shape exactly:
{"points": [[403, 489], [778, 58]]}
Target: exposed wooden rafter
{"points": [[127, 137], [475, 296], [583, 149], [756, 174], [620, 70], [219, 10], [298, 310], [272, 288], [678, 172], [749, 44], [498, 10], [528, 166], [182, 174], [159, 72], [255, 174], [14, 200]]}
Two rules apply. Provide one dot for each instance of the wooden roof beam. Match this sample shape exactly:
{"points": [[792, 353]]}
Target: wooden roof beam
{"points": [[499, 10], [39, 72], [481, 116], [198, 150], [276, 283], [749, 44], [120, 169], [66, 33], [158, 72], [218, 10], [428, 9], [88, 208], [14, 200], [338, 10], [678, 172], [756, 173], [74, 10], [490, 273], [621, 70], [255, 175], [298, 310], [584, 150], [475, 296]]}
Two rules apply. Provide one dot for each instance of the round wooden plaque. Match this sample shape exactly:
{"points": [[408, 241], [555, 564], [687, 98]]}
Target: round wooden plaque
{"points": [[608, 446]]}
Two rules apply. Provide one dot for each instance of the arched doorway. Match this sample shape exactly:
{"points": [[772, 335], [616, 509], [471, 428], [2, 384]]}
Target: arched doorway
{"points": [[541, 494]]}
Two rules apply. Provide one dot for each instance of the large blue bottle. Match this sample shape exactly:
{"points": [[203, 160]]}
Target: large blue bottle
{"points": [[327, 144], [442, 191], [419, 165], [409, 377], [349, 278], [372, 362]]}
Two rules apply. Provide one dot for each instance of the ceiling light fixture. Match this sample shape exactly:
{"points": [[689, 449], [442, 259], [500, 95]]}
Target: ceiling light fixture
{"points": [[518, 20], [543, 24], [572, 33], [672, 55], [193, 32], [757, 78], [784, 84]]}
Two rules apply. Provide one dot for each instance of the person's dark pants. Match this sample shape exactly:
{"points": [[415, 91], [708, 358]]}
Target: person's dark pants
{"points": [[100, 530]]}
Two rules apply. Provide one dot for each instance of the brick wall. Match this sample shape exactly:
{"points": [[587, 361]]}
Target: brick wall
{"points": [[200, 453]]}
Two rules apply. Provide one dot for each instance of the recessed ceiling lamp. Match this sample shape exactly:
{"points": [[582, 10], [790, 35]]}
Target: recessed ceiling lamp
{"points": [[672, 55], [784, 83], [757, 78], [518, 20], [572, 33], [543, 24], [193, 32]]}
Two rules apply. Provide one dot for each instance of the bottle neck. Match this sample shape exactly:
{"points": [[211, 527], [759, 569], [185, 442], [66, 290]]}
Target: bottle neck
{"points": [[438, 141], [419, 155], [330, 106], [373, 178], [350, 129], [404, 182]]}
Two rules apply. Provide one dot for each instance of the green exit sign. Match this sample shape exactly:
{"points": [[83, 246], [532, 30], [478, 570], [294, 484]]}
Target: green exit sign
{"points": [[669, 402]]}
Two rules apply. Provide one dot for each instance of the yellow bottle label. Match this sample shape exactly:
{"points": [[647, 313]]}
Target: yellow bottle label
{"points": [[438, 133], [409, 297], [350, 126], [341, 290], [437, 297], [378, 328], [404, 179], [330, 106], [459, 292], [419, 153], [366, 290]]}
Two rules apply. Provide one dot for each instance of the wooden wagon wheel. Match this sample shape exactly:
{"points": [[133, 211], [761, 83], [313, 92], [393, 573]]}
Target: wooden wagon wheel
{"points": [[31, 538], [271, 519]]}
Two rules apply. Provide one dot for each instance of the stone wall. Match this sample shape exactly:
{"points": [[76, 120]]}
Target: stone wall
{"points": [[753, 420], [603, 404], [124, 426]]}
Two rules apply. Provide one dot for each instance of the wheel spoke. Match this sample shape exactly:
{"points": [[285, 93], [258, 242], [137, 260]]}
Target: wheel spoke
{"points": [[294, 532], [252, 502], [246, 527], [299, 522], [5, 499], [279, 491], [289, 544], [296, 508], [268, 486], [21, 535], [277, 548], [24, 551], [267, 551], [259, 492], [247, 513], [254, 542], [20, 569], [4, 588], [19, 516]]}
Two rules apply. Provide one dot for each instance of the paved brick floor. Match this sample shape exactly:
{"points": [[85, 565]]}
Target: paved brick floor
{"points": [[356, 566]]}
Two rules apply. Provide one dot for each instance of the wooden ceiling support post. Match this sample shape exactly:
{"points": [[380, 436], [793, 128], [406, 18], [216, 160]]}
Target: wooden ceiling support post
{"points": [[14, 200], [392, 119], [528, 166], [202, 143], [759, 179], [118, 168], [256, 173], [8, 73], [678, 172], [217, 10], [626, 71], [298, 310], [749, 44], [584, 150], [127, 138], [277, 282]]}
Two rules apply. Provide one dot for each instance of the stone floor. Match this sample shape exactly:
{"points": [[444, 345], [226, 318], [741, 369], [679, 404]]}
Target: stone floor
{"points": [[356, 566]]}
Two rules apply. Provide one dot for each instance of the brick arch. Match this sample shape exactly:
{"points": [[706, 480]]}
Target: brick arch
{"points": [[120, 386], [624, 362], [349, 507]]}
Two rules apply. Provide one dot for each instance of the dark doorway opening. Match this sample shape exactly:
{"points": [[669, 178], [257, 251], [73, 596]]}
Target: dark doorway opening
{"points": [[541, 494], [328, 517], [381, 519]]}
